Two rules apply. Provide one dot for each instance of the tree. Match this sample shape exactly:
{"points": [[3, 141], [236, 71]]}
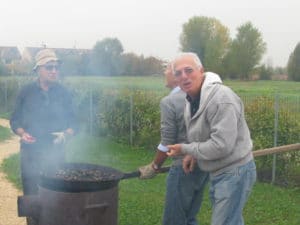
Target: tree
{"points": [[208, 38], [71, 64], [139, 66], [265, 72], [245, 52], [280, 70], [3, 70], [106, 57], [131, 64], [152, 66], [293, 66]]}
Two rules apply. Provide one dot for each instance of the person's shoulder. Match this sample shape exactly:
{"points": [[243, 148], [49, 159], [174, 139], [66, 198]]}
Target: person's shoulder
{"points": [[61, 87], [65, 91], [225, 89], [164, 100], [29, 87], [178, 95], [174, 98], [226, 94]]}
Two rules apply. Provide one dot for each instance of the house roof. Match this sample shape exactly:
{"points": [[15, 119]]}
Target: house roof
{"points": [[59, 51], [32, 51], [10, 53]]}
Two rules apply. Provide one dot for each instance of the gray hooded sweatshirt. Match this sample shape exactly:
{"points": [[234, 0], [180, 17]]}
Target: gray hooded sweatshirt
{"points": [[218, 135]]}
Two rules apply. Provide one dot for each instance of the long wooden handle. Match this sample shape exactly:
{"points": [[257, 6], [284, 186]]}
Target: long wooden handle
{"points": [[261, 152], [279, 149]]}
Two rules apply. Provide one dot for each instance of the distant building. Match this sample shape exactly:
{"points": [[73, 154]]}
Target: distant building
{"points": [[9, 55], [30, 52], [280, 77], [63, 52]]}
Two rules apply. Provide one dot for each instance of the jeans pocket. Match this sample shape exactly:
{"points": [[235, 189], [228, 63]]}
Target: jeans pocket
{"points": [[252, 165]]}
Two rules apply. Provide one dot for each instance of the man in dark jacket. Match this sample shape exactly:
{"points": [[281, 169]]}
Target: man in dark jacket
{"points": [[43, 118]]}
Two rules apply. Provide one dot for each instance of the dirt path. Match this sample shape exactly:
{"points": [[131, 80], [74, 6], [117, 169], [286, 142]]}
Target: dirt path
{"points": [[8, 193]]}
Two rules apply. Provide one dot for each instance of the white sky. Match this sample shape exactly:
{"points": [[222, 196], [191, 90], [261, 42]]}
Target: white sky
{"points": [[149, 27]]}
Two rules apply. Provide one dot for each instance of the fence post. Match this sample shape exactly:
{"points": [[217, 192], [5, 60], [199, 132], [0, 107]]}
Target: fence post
{"points": [[5, 96], [131, 119], [91, 112], [276, 112]]}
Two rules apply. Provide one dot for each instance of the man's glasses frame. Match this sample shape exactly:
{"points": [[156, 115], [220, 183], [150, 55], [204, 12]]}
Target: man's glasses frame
{"points": [[51, 67], [186, 70]]}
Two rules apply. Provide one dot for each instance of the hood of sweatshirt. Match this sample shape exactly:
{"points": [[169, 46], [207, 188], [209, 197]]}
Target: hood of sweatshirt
{"points": [[210, 81]]}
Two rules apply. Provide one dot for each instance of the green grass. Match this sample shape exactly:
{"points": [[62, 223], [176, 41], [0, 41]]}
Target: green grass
{"points": [[11, 166], [150, 82], [261, 87], [5, 115], [157, 83], [5, 133], [141, 201]]}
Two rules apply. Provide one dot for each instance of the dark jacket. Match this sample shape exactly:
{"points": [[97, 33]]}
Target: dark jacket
{"points": [[41, 112]]}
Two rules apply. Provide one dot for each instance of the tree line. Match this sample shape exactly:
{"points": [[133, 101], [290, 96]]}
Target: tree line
{"points": [[232, 58]]}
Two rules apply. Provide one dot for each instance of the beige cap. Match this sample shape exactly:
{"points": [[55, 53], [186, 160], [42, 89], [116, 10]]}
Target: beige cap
{"points": [[44, 56]]}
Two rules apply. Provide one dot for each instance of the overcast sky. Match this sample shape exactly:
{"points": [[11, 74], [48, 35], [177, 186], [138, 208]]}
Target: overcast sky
{"points": [[149, 27]]}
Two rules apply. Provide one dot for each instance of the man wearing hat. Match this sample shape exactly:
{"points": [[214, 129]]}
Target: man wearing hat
{"points": [[43, 118]]}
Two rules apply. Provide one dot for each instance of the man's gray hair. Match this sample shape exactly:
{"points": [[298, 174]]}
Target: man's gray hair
{"points": [[193, 55]]}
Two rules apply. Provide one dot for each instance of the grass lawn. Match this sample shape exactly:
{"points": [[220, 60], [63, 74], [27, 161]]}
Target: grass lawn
{"points": [[156, 83], [5, 133], [141, 201]]}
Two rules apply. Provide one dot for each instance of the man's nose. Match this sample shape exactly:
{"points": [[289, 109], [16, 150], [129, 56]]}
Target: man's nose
{"points": [[184, 75]]}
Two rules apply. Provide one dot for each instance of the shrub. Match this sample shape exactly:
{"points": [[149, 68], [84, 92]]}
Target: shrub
{"points": [[9, 89], [117, 109], [260, 115]]}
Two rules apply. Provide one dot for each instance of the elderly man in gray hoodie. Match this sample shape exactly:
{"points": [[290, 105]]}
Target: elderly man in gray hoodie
{"points": [[218, 137], [184, 191]]}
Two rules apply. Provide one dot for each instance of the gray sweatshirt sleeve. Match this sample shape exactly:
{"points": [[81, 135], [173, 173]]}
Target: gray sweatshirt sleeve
{"points": [[168, 122]]}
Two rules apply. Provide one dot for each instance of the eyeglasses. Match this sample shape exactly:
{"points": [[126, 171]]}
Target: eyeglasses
{"points": [[51, 67], [186, 70]]}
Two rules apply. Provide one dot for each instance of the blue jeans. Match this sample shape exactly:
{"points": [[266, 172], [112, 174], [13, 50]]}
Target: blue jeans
{"points": [[229, 192], [183, 196]]}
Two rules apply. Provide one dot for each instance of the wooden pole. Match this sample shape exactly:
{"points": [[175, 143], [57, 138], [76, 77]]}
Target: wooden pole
{"points": [[279, 149]]}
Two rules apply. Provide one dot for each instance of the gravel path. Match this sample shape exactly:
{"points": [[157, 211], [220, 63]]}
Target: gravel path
{"points": [[8, 193]]}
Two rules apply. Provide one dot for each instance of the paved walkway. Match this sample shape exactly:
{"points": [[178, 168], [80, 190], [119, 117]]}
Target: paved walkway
{"points": [[8, 193]]}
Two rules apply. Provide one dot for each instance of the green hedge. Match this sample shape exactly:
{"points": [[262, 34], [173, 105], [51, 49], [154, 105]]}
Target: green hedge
{"points": [[131, 116], [9, 88], [127, 114], [260, 114]]}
